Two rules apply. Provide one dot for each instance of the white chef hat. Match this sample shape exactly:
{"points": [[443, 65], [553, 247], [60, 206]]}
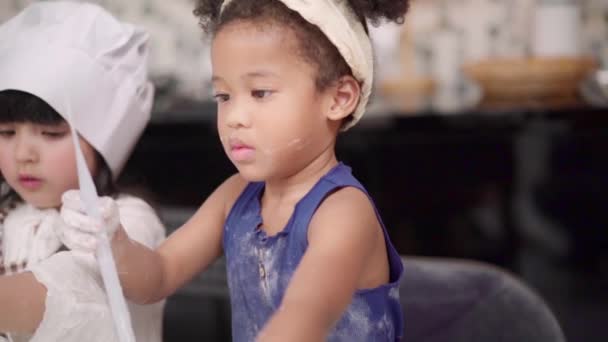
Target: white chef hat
{"points": [[85, 64]]}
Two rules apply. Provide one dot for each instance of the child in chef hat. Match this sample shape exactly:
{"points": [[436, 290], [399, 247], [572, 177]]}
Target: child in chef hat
{"points": [[58, 58]]}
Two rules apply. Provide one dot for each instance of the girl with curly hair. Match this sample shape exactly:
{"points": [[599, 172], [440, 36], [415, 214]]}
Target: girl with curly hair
{"points": [[308, 257]]}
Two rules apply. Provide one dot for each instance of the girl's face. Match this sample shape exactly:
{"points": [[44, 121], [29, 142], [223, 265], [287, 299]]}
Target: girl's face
{"points": [[271, 118], [38, 161]]}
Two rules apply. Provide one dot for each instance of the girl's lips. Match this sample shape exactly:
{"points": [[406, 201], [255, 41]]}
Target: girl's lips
{"points": [[239, 151], [242, 153], [29, 182]]}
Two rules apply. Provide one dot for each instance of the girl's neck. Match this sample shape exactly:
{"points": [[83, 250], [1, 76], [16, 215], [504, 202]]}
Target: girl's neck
{"points": [[291, 189]]}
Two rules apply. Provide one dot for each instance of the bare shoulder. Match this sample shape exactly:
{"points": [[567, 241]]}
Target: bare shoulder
{"points": [[198, 242], [347, 210], [215, 208], [230, 190], [346, 230]]}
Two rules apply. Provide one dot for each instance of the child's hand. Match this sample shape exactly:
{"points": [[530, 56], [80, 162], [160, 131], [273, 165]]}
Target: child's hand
{"points": [[81, 232]]}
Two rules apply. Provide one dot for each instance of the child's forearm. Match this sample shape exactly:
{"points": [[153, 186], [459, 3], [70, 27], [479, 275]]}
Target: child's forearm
{"points": [[140, 269], [22, 303], [296, 326]]}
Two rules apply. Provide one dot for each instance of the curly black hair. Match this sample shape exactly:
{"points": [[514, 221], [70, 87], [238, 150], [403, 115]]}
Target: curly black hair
{"points": [[314, 46]]}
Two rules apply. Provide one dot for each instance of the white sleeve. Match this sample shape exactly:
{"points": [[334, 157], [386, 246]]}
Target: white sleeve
{"points": [[140, 221], [76, 305]]}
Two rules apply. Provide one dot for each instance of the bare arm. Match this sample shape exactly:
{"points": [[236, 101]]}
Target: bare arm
{"points": [[330, 272], [22, 303], [150, 275]]}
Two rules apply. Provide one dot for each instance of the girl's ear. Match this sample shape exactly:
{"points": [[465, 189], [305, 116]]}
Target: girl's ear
{"points": [[345, 94]]}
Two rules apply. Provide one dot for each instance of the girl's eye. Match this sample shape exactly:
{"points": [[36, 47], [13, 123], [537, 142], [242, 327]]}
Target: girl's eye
{"points": [[54, 134], [6, 133], [260, 94], [221, 97]]}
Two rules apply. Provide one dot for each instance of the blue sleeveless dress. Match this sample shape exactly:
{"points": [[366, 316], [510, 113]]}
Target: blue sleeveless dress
{"points": [[260, 266]]}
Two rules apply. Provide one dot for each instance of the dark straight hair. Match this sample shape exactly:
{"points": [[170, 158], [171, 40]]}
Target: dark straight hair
{"points": [[22, 107]]}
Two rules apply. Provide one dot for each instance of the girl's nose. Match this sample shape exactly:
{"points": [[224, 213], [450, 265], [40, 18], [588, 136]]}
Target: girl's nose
{"points": [[25, 150], [237, 116]]}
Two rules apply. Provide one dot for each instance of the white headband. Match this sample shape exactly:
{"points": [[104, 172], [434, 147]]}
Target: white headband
{"points": [[343, 28]]}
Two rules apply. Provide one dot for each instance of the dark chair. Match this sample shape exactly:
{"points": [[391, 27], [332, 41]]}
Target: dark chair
{"points": [[448, 300], [444, 300]]}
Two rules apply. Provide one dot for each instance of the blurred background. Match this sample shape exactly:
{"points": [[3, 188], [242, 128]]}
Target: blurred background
{"points": [[486, 139]]}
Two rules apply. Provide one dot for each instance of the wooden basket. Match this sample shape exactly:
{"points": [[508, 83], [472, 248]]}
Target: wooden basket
{"points": [[408, 94], [407, 86], [530, 79]]}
